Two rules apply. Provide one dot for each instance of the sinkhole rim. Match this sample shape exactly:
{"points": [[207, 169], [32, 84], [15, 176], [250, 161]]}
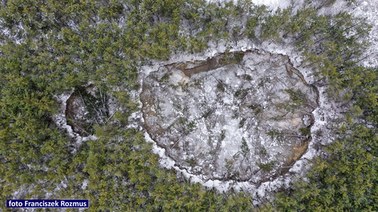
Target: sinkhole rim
{"points": [[209, 60]]}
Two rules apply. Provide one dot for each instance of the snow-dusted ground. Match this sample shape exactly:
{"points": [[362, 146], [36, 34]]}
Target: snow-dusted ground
{"points": [[368, 9], [274, 4], [229, 121], [323, 115]]}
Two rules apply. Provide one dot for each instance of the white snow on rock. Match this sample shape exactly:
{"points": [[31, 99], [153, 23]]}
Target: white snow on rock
{"points": [[325, 113]]}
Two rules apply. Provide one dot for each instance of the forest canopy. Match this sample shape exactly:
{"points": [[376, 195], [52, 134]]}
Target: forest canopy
{"points": [[51, 47]]}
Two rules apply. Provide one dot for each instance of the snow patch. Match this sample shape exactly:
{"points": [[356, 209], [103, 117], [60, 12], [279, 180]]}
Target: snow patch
{"points": [[273, 4]]}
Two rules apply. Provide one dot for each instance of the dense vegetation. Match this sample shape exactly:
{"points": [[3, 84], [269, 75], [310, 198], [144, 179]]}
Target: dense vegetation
{"points": [[50, 47], [346, 177]]}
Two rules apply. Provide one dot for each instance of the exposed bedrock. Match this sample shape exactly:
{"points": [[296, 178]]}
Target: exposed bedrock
{"points": [[243, 116]]}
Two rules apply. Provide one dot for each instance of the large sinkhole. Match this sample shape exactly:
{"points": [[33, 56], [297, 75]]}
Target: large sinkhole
{"points": [[243, 116]]}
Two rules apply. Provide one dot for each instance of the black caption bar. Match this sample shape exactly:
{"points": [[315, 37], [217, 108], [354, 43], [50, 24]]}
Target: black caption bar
{"points": [[49, 203]]}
